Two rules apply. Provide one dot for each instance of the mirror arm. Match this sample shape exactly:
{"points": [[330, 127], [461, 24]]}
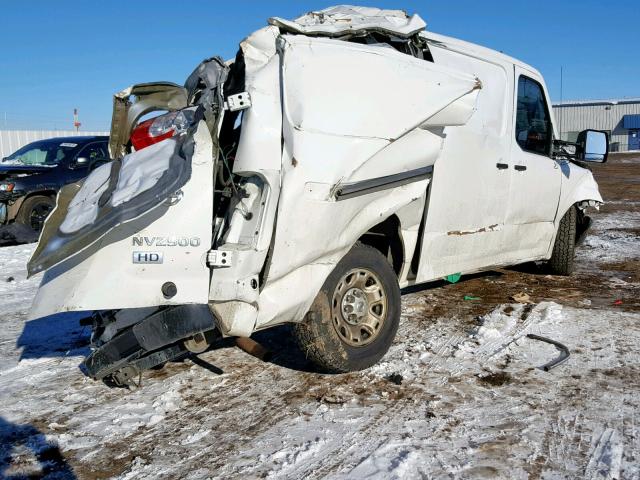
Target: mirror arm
{"points": [[559, 153]]}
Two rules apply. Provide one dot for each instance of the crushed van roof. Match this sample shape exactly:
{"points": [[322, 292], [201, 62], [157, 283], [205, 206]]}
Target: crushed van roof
{"points": [[347, 19]]}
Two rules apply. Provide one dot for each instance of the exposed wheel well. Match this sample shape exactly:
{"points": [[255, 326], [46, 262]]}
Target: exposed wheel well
{"points": [[15, 208], [583, 221], [39, 193], [385, 237], [44, 193]]}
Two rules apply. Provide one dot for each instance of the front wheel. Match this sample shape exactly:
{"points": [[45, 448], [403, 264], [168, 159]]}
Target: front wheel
{"points": [[355, 316], [561, 261]]}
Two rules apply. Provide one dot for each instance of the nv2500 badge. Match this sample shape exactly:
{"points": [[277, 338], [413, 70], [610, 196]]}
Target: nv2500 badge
{"points": [[139, 241]]}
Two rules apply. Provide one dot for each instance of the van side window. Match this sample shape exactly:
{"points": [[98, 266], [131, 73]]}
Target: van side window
{"points": [[533, 123]]}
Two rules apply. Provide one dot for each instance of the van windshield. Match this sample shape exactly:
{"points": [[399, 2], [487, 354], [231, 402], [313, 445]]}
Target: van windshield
{"points": [[44, 153]]}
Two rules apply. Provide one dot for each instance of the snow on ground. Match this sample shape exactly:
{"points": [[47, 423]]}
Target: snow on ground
{"points": [[456, 397], [612, 238]]}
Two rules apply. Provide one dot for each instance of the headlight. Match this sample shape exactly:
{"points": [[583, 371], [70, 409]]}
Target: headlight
{"points": [[7, 187]]}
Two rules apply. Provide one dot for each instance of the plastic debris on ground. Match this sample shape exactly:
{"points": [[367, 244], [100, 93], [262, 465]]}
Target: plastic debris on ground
{"points": [[521, 298]]}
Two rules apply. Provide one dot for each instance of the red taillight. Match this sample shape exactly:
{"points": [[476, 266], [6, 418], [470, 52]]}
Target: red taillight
{"points": [[141, 137], [160, 128]]}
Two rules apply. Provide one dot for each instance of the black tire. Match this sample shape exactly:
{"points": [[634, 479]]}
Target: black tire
{"points": [[338, 344], [34, 211], [561, 261]]}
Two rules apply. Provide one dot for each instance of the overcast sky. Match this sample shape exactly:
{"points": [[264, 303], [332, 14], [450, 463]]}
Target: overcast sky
{"points": [[64, 54]]}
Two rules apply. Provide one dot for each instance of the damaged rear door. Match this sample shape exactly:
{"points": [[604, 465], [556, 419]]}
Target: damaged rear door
{"points": [[127, 235]]}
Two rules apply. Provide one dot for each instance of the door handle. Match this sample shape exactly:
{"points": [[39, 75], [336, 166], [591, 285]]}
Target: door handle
{"points": [[520, 168], [502, 166]]}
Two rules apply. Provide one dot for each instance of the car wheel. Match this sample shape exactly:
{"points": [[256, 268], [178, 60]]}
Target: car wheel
{"points": [[561, 261], [34, 211], [355, 316]]}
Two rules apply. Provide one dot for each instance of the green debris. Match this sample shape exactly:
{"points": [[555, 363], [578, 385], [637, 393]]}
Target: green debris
{"points": [[471, 297], [453, 278]]}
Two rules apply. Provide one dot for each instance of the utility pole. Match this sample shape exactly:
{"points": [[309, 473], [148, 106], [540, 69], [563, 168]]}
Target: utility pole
{"points": [[76, 123], [561, 110]]}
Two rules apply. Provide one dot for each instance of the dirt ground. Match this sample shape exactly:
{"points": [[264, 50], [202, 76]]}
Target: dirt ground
{"points": [[458, 395]]}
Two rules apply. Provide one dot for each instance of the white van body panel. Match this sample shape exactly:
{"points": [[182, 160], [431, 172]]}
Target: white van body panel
{"points": [[322, 150]]}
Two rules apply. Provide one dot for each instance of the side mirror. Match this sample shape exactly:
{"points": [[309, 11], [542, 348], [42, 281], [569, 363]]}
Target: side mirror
{"points": [[80, 162], [593, 146]]}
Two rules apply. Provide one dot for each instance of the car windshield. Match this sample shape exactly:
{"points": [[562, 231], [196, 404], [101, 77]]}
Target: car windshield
{"points": [[46, 153]]}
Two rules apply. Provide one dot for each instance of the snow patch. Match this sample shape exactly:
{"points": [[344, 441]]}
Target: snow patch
{"points": [[611, 239]]}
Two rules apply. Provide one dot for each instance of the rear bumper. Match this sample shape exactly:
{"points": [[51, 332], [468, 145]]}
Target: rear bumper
{"points": [[153, 334]]}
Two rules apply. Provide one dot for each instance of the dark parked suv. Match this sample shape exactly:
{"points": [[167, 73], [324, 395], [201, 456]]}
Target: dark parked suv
{"points": [[31, 177]]}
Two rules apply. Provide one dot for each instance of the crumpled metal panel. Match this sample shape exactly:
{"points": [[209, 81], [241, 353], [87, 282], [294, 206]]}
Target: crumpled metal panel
{"points": [[204, 87], [55, 245], [136, 185], [369, 121], [102, 275], [149, 97], [346, 19]]}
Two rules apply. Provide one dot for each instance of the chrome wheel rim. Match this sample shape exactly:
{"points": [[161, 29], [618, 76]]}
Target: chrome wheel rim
{"points": [[359, 307]]}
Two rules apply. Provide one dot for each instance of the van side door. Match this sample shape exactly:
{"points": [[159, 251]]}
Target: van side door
{"points": [[535, 175], [469, 192]]}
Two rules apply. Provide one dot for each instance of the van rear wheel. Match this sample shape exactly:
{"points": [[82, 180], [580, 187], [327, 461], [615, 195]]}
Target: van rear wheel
{"points": [[355, 316], [561, 261]]}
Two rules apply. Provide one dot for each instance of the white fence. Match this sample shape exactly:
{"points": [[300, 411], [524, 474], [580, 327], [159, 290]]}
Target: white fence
{"points": [[12, 140]]}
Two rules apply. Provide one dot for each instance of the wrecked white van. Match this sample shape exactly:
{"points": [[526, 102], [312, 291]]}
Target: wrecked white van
{"points": [[340, 157]]}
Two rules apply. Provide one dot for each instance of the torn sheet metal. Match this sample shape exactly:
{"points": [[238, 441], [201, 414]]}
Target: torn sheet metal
{"points": [[139, 182], [340, 136], [402, 92], [366, 140], [136, 191], [233, 295], [346, 19], [260, 144], [149, 97]]}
